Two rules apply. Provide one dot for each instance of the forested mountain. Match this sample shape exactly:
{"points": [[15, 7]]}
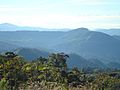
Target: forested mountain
{"points": [[75, 60], [31, 53], [90, 45]]}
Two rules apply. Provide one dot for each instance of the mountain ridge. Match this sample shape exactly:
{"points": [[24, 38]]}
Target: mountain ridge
{"points": [[82, 41], [12, 27]]}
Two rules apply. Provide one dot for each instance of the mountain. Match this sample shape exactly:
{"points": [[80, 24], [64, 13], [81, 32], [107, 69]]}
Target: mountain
{"points": [[31, 39], [117, 36], [90, 44], [75, 60], [12, 27], [93, 46], [7, 27], [110, 31], [7, 46], [113, 65], [31, 53]]}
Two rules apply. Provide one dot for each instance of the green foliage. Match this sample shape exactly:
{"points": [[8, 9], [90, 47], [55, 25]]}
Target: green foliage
{"points": [[3, 84], [52, 74]]}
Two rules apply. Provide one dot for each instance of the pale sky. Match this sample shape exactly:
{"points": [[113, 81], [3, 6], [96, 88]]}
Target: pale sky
{"points": [[61, 13]]}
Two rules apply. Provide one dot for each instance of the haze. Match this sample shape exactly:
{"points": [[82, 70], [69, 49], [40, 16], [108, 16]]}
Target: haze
{"points": [[61, 13]]}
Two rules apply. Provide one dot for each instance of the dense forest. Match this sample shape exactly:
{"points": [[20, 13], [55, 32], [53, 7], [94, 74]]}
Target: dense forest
{"points": [[52, 73]]}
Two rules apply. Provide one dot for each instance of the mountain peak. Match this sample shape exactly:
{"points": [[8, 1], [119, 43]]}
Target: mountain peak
{"points": [[82, 28], [7, 24]]}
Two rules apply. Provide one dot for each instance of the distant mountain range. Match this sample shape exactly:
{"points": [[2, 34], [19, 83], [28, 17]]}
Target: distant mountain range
{"points": [[12, 27], [86, 48], [110, 31], [89, 44]]}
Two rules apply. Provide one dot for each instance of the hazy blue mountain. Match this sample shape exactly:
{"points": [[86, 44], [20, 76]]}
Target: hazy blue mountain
{"points": [[34, 39], [93, 46], [31, 53], [113, 65], [75, 60], [7, 46], [117, 36], [7, 27], [90, 44], [110, 31], [12, 27]]}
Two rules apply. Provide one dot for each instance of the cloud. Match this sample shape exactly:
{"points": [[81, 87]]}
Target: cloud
{"points": [[63, 21], [9, 9], [92, 2]]}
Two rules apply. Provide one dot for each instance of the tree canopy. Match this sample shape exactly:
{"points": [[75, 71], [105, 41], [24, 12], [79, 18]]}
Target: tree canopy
{"points": [[51, 73]]}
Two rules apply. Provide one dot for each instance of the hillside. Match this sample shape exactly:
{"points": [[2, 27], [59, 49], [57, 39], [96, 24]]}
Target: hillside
{"points": [[31, 53], [4, 46], [75, 60], [90, 45]]}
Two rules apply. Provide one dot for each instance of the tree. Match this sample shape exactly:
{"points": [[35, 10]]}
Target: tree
{"points": [[58, 60], [10, 54]]}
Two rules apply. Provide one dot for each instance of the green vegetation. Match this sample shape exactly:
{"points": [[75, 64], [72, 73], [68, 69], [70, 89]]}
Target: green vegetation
{"points": [[52, 73]]}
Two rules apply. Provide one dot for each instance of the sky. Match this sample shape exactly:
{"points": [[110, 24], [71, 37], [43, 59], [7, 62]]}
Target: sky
{"points": [[61, 13]]}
